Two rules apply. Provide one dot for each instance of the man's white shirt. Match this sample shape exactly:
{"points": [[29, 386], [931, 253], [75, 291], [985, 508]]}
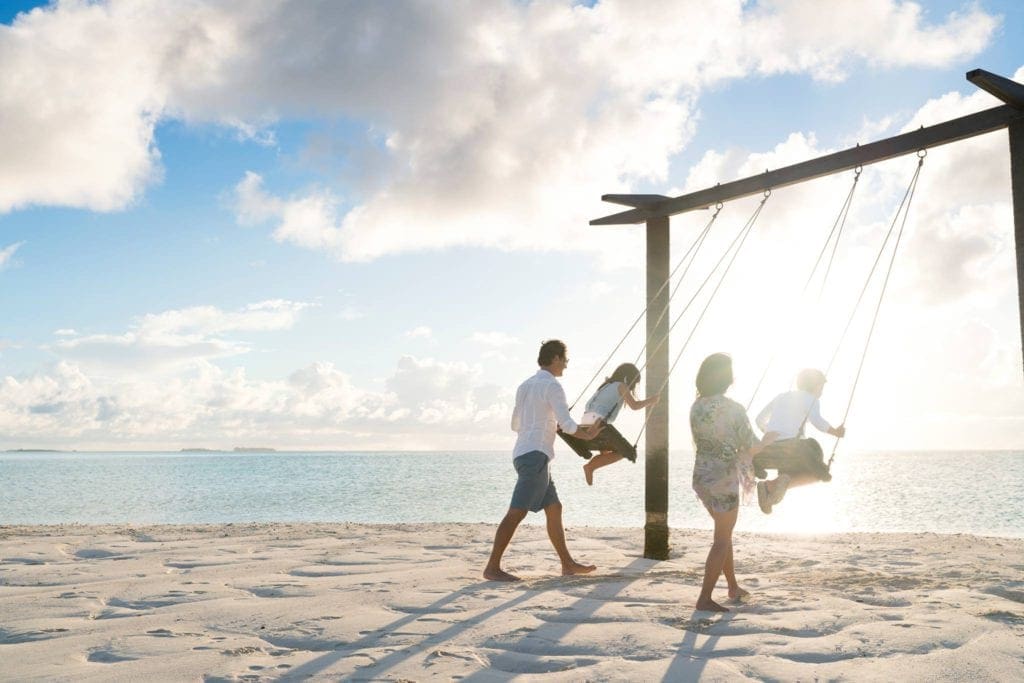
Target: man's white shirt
{"points": [[540, 409]]}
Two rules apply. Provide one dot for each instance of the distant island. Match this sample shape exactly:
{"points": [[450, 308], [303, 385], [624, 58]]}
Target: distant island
{"points": [[33, 450], [237, 449]]}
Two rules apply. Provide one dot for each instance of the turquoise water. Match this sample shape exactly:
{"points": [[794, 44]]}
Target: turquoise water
{"points": [[945, 492]]}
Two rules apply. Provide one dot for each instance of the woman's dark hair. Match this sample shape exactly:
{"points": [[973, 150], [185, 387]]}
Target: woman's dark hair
{"points": [[715, 375], [627, 373], [549, 351]]}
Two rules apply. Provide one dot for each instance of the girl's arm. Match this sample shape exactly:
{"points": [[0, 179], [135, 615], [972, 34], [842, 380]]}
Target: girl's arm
{"points": [[627, 394]]}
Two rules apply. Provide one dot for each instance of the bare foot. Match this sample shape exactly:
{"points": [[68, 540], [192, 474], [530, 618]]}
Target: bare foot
{"points": [[588, 472], [577, 568], [710, 605], [499, 575], [738, 594]]}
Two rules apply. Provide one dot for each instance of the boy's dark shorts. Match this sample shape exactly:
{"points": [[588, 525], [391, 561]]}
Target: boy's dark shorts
{"points": [[792, 457]]}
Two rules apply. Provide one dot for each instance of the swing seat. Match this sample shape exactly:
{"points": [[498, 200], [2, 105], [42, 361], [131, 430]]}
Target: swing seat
{"points": [[609, 439], [792, 457]]}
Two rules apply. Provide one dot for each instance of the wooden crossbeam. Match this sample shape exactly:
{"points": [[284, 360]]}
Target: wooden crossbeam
{"points": [[1008, 91], [923, 138], [637, 201]]}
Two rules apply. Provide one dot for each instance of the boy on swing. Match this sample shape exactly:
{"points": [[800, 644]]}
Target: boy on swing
{"points": [[798, 460]]}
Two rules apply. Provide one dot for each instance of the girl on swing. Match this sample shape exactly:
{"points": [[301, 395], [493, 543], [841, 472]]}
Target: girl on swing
{"points": [[602, 408]]}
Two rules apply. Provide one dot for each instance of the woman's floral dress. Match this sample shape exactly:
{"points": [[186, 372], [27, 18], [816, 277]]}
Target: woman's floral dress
{"points": [[721, 433]]}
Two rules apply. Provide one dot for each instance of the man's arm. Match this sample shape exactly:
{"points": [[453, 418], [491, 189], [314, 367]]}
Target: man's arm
{"points": [[518, 410], [556, 399]]}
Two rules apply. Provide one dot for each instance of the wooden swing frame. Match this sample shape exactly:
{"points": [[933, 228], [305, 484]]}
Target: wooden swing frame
{"points": [[655, 211]]}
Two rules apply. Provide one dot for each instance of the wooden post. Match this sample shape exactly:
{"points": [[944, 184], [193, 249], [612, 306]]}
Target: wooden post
{"points": [[656, 444], [1016, 130]]}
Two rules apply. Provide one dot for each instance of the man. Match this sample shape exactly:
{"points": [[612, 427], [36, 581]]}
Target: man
{"points": [[540, 410], [798, 460]]}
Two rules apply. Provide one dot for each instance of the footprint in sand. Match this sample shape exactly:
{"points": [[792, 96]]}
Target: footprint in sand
{"points": [[95, 554], [21, 560], [1005, 617], [108, 657], [13, 637]]}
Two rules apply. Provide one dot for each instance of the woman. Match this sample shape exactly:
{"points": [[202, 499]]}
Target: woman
{"points": [[725, 444], [602, 408]]}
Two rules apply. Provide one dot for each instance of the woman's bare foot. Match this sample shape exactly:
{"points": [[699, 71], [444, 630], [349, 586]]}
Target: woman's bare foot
{"points": [[577, 568], [710, 605], [499, 575], [588, 472], [738, 594]]}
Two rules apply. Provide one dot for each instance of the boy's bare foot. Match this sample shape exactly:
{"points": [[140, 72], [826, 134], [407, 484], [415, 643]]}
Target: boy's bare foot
{"points": [[710, 605], [499, 575], [577, 568], [738, 594], [588, 472]]}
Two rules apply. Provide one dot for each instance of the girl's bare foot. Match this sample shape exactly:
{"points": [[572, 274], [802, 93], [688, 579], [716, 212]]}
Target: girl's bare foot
{"points": [[577, 568], [710, 605], [499, 575], [588, 472], [738, 594]]}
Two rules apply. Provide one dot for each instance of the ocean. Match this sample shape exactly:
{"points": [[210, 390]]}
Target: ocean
{"points": [[943, 492]]}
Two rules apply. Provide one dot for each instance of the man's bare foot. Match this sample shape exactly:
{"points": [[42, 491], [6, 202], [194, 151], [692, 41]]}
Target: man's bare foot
{"points": [[499, 575], [710, 605], [738, 594], [577, 568], [588, 472]]}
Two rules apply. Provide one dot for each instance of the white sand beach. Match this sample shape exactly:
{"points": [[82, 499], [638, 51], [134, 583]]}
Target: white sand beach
{"points": [[249, 602]]}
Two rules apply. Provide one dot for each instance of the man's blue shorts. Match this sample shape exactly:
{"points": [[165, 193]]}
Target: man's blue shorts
{"points": [[534, 489]]}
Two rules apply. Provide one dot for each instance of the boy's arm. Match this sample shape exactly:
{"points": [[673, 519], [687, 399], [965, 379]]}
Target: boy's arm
{"points": [[762, 418], [821, 423]]}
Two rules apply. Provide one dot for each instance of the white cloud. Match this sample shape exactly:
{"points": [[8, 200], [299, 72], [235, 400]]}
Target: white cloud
{"points": [[488, 124], [65, 332], [171, 339], [419, 332], [425, 404], [7, 253], [825, 39], [497, 339], [350, 313]]}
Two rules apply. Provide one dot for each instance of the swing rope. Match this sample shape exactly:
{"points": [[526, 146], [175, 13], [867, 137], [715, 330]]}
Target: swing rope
{"points": [[839, 224], [741, 237], [908, 197], [694, 248], [679, 283]]}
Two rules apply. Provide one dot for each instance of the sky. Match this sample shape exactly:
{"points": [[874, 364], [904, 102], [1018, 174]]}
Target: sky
{"points": [[320, 224]]}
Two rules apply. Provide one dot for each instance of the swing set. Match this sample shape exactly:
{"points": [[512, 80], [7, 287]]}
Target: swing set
{"points": [[655, 211]]}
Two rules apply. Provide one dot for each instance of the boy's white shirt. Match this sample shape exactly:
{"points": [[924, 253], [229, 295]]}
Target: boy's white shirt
{"points": [[787, 412]]}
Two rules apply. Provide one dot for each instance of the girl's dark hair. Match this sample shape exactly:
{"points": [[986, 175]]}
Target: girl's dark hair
{"points": [[627, 373], [715, 375], [549, 351]]}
